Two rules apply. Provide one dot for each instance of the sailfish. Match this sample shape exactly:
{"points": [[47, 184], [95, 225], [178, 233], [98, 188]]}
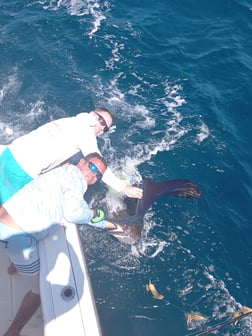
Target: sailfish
{"points": [[128, 230]]}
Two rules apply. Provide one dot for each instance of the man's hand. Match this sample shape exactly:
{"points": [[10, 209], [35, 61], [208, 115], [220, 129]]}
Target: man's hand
{"points": [[133, 192], [98, 216]]}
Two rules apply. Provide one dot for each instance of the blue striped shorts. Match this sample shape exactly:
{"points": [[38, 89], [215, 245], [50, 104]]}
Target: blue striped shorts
{"points": [[21, 249]]}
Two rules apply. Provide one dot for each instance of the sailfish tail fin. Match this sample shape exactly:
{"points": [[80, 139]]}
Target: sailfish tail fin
{"points": [[153, 190], [128, 230]]}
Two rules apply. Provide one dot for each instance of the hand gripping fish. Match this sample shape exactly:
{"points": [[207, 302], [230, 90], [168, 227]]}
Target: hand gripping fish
{"points": [[129, 229], [150, 287]]}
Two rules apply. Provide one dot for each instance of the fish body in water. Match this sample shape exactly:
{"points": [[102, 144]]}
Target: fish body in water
{"points": [[129, 229]]}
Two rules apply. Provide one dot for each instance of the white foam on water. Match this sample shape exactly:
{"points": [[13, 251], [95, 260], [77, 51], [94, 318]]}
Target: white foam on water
{"points": [[9, 85], [165, 139], [203, 133], [81, 8], [5, 130], [37, 109], [207, 294]]}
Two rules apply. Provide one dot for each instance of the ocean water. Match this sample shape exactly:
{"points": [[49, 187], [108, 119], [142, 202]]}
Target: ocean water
{"points": [[177, 76]]}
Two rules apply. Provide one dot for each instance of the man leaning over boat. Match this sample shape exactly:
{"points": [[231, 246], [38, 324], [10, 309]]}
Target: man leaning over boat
{"points": [[50, 145], [35, 211]]}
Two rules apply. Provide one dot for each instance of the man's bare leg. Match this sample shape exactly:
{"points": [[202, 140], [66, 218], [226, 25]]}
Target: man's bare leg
{"points": [[12, 269], [28, 307]]}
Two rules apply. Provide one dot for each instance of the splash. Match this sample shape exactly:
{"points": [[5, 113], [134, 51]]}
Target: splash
{"points": [[37, 110], [141, 120], [5, 131], [203, 133], [84, 9], [9, 86]]}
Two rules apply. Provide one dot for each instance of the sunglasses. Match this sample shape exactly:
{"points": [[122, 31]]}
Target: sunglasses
{"points": [[102, 121], [95, 170]]}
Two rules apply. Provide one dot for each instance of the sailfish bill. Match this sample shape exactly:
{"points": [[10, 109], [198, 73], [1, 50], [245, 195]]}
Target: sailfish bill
{"points": [[129, 229]]}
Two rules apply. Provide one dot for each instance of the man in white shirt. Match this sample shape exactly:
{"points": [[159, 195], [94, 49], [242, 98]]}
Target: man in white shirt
{"points": [[53, 143]]}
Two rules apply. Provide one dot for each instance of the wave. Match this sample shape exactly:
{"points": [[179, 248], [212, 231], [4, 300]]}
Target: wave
{"points": [[81, 8]]}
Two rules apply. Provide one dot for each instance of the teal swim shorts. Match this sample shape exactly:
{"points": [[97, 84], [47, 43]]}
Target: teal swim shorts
{"points": [[12, 176]]}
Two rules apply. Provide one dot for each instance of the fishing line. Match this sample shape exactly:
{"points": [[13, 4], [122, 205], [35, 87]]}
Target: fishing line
{"points": [[218, 326]]}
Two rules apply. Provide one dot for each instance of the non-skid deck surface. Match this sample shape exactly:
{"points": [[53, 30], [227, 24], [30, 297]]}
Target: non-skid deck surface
{"points": [[66, 294], [12, 291]]}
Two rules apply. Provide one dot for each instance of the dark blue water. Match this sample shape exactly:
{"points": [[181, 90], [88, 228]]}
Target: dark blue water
{"points": [[177, 76]]}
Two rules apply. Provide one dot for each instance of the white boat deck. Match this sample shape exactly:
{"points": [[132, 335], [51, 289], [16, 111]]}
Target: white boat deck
{"points": [[12, 292], [66, 294]]}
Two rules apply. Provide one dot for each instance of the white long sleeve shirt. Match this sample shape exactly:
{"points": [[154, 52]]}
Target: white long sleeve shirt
{"points": [[50, 198], [53, 143]]}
